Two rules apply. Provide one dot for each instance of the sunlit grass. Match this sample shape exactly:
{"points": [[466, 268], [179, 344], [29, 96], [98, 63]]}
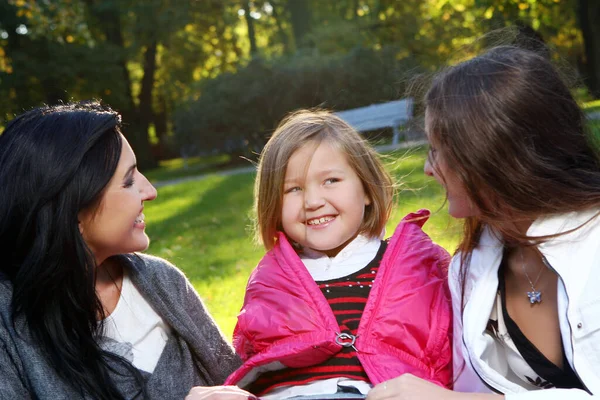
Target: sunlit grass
{"points": [[203, 227], [178, 168], [418, 191], [592, 106], [595, 128]]}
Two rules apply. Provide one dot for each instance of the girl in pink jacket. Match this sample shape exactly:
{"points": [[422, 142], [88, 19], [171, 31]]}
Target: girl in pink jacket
{"points": [[332, 309]]}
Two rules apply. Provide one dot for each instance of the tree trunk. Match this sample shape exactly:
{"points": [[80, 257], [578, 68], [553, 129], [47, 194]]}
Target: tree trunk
{"points": [[53, 89], [300, 18], [161, 118], [589, 15], [251, 33], [109, 22], [145, 113], [285, 41]]}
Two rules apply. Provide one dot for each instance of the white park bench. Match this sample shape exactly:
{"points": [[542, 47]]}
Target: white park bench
{"points": [[393, 114]]}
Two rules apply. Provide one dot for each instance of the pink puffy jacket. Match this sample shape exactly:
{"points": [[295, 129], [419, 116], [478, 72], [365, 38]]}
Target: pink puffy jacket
{"points": [[405, 327]]}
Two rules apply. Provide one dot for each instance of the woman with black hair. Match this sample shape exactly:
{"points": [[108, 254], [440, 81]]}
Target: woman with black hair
{"points": [[81, 314]]}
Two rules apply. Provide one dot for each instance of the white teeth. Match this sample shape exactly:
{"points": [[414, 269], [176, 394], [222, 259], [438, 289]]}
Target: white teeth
{"points": [[318, 221], [140, 218]]}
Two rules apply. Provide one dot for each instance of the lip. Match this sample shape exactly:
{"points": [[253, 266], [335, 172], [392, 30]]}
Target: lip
{"points": [[140, 225]]}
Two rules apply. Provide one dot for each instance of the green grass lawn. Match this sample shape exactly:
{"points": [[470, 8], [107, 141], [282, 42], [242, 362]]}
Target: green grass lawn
{"points": [[595, 128], [172, 169], [591, 106], [204, 227]]}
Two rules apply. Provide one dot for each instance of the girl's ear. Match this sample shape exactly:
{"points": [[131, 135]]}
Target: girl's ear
{"points": [[367, 200]]}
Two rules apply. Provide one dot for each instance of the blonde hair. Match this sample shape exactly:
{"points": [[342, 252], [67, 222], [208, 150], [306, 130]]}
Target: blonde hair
{"points": [[315, 126]]}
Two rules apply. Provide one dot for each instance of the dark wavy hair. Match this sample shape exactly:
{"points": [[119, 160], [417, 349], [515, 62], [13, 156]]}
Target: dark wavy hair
{"points": [[56, 161], [508, 126]]}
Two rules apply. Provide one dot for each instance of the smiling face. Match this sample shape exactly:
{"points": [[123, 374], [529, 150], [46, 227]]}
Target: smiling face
{"points": [[324, 199], [117, 225], [459, 202]]}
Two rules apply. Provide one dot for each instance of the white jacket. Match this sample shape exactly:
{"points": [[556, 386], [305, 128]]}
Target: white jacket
{"points": [[575, 257]]}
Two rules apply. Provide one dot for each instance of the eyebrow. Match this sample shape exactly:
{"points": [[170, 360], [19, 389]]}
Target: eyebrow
{"points": [[292, 180], [332, 171], [129, 171]]}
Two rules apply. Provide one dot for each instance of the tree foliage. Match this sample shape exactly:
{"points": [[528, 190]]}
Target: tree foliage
{"points": [[238, 111], [218, 74]]}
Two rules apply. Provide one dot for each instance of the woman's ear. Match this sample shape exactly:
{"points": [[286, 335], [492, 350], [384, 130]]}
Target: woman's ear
{"points": [[80, 226], [82, 216]]}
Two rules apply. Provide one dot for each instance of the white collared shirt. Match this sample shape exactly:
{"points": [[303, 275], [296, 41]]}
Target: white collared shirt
{"points": [[355, 256]]}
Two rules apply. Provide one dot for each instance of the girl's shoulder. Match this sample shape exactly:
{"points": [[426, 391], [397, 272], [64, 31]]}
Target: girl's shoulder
{"points": [[409, 236], [411, 248], [410, 227]]}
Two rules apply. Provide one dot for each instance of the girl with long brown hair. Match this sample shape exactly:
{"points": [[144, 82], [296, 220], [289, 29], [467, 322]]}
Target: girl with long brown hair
{"points": [[510, 145]]}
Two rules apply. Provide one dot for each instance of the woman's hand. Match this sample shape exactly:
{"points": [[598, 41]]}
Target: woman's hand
{"points": [[409, 387], [218, 393]]}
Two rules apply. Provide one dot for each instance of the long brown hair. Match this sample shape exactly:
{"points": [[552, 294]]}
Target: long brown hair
{"points": [[314, 126], [509, 128]]}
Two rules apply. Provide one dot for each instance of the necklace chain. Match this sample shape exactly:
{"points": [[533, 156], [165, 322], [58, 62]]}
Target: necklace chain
{"points": [[535, 296]]}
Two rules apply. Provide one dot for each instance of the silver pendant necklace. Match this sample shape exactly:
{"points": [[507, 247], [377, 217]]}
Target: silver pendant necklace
{"points": [[535, 296]]}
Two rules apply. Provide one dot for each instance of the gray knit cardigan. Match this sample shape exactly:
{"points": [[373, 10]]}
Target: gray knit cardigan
{"points": [[197, 354]]}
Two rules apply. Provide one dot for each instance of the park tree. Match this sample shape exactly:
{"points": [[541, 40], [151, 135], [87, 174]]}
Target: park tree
{"points": [[250, 24], [300, 18], [172, 66], [44, 69], [588, 12], [144, 45]]}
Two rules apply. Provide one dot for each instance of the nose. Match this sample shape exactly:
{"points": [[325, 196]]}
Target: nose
{"points": [[313, 199], [428, 168], [148, 190]]}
